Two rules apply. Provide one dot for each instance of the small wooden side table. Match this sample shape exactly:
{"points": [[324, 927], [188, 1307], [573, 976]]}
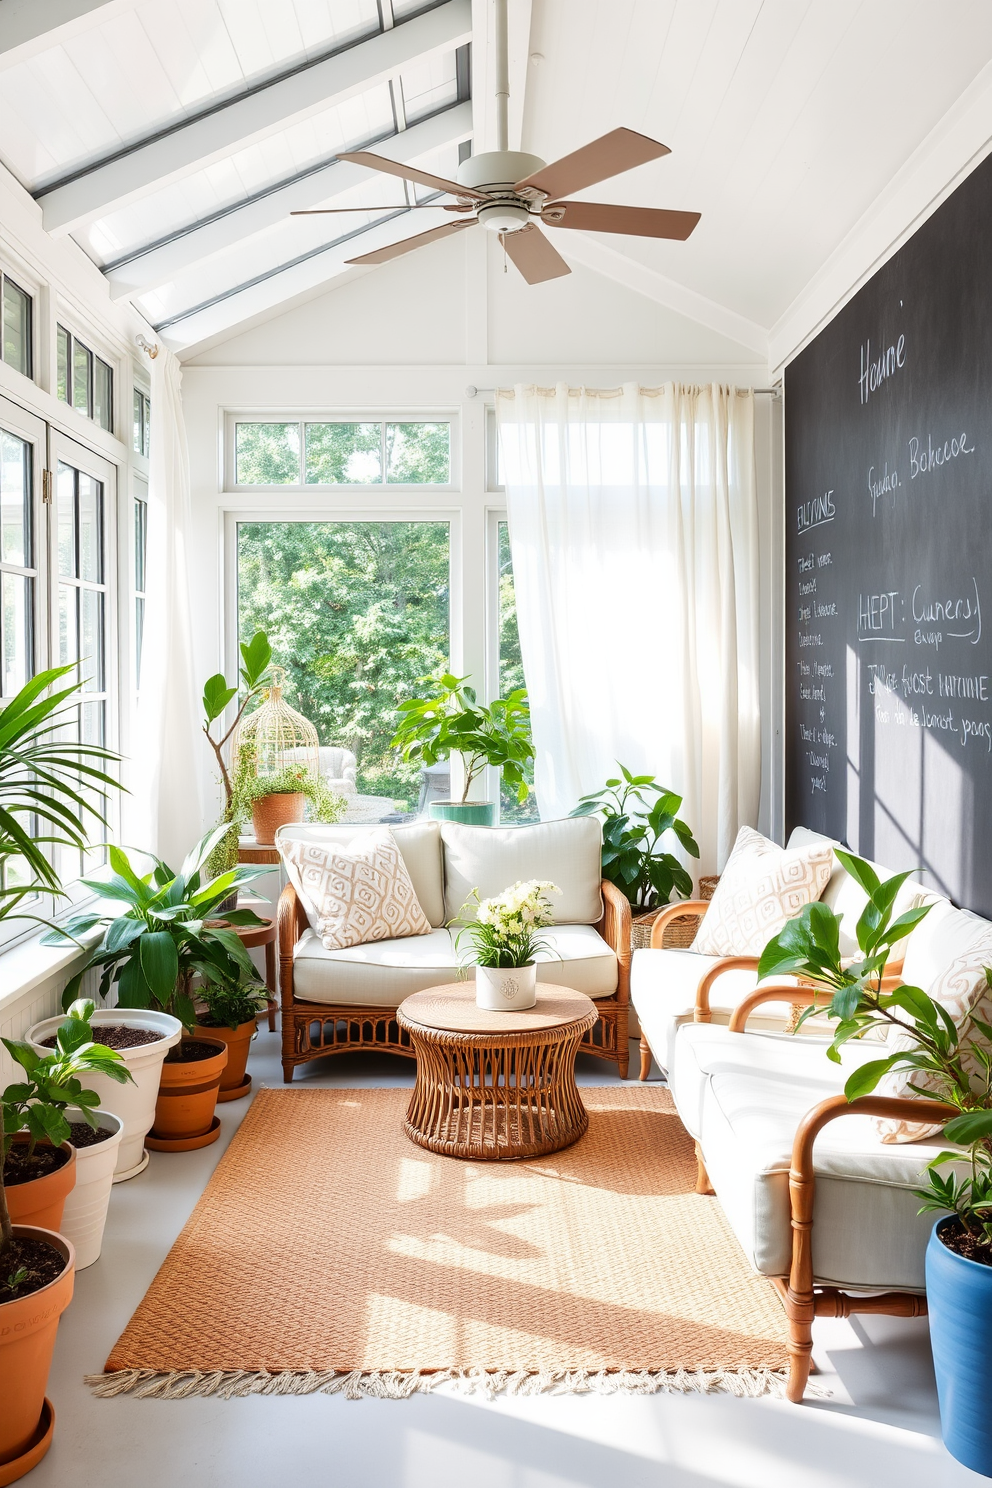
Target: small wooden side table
{"points": [[495, 1086]]}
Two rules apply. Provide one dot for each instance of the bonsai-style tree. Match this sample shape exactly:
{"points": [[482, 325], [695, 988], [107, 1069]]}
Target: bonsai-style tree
{"points": [[37, 1103], [632, 857], [451, 721]]}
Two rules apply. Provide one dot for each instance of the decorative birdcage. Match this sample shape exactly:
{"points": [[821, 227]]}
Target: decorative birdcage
{"points": [[275, 736]]}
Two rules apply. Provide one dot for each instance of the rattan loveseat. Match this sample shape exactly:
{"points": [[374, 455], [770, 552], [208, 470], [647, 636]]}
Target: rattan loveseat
{"points": [[338, 1000]]}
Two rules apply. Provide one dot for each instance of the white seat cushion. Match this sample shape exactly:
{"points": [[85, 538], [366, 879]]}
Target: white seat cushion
{"points": [[384, 972], [663, 990], [867, 1235], [491, 859]]}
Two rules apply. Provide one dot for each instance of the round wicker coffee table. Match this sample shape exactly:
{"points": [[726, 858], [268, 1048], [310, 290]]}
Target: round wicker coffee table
{"points": [[491, 1085]]}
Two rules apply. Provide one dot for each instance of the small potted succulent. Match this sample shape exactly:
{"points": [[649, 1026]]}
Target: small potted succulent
{"points": [[503, 936], [451, 721], [228, 1012], [637, 813], [37, 1169], [151, 953]]}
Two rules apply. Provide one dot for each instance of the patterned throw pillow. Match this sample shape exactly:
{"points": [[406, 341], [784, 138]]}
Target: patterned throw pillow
{"points": [[963, 990], [762, 886], [361, 891]]}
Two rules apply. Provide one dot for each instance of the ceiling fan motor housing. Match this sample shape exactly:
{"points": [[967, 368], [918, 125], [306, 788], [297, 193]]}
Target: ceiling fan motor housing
{"points": [[496, 172]]}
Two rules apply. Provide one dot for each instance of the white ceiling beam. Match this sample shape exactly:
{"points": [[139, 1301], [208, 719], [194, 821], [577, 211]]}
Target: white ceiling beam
{"points": [[255, 299], [584, 248], [159, 264], [30, 26], [268, 108]]}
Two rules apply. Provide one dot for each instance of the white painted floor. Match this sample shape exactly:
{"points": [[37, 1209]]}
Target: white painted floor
{"points": [[879, 1428]]}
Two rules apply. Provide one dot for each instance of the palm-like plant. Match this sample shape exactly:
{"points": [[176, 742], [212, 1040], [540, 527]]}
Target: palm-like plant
{"points": [[154, 948]]}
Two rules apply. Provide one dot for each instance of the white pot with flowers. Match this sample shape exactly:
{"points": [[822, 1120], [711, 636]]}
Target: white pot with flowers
{"points": [[503, 940]]}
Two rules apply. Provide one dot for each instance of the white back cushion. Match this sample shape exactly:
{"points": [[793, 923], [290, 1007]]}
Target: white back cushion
{"points": [[944, 935], [846, 898], [419, 843], [491, 859]]}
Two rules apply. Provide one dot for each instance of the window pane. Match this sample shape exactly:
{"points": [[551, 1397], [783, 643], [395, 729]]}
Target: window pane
{"points": [[82, 378], [139, 636], [140, 543], [67, 521], [16, 328], [267, 454], [136, 435], [511, 674], [90, 529], [68, 625], [91, 648], [418, 454], [344, 453], [147, 426], [17, 625], [62, 375], [357, 613], [15, 500], [103, 394]]}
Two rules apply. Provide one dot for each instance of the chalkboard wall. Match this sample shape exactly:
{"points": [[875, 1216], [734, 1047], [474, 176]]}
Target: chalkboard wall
{"points": [[888, 435]]}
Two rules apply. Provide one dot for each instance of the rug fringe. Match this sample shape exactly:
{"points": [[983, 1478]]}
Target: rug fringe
{"points": [[357, 1384]]}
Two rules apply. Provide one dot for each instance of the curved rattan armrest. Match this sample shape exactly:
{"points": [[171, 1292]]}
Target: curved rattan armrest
{"points": [[802, 996], [614, 927], [702, 1013], [695, 907], [291, 920]]}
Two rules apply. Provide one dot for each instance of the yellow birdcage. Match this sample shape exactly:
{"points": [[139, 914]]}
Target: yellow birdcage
{"points": [[276, 736]]}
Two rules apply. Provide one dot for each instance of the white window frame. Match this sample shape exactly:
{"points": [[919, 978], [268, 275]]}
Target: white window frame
{"points": [[27, 279], [378, 490]]}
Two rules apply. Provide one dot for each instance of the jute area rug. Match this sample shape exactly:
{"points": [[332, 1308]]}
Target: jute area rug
{"points": [[329, 1253]]}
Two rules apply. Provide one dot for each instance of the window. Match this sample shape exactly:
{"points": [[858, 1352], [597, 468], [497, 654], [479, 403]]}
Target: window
{"points": [[510, 671], [18, 575], [273, 453], [357, 613], [84, 380], [142, 422], [140, 555], [16, 314]]}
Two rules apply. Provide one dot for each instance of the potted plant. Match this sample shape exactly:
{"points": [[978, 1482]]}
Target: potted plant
{"points": [[451, 721], [504, 936], [274, 800], [151, 952], [253, 678], [228, 1012], [951, 1065], [37, 1168], [632, 856]]}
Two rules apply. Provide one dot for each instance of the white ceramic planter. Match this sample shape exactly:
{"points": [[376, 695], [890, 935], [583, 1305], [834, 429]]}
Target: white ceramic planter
{"points": [[85, 1212], [506, 989], [133, 1103]]}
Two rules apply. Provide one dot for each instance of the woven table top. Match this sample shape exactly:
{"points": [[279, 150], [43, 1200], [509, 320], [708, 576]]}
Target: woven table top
{"points": [[453, 1009]]}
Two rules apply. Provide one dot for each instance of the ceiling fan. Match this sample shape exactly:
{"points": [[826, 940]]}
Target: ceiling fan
{"points": [[510, 192]]}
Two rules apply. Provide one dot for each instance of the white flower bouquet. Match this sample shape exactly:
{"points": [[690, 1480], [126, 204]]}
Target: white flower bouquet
{"points": [[505, 932]]}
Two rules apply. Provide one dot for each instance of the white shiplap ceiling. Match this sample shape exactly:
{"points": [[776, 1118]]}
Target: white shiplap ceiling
{"points": [[172, 138]]}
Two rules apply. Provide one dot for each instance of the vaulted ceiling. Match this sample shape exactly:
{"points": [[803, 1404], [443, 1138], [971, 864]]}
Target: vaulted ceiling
{"points": [[172, 138]]}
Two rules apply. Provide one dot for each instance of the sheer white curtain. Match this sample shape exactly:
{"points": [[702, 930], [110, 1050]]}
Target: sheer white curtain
{"points": [[633, 533], [165, 811]]}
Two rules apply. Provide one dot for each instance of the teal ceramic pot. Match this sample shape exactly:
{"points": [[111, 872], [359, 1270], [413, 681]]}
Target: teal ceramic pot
{"points": [[469, 813], [959, 1300]]}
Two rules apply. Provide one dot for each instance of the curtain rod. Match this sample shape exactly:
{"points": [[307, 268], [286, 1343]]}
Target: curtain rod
{"points": [[770, 392]]}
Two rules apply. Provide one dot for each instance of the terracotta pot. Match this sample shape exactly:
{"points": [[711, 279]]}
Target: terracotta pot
{"points": [[134, 1102], [233, 1082], [86, 1206], [41, 1202], [187, 1096], [275, 811], [27, 1338]]}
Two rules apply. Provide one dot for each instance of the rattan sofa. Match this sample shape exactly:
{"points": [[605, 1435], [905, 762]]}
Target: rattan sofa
{"points": [[335, 1001]]}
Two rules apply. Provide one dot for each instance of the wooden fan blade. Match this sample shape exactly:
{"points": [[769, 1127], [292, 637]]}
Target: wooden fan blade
{"points": [[407, 245], [410, 173], [533, 255], [639, 222], [618, 151]]}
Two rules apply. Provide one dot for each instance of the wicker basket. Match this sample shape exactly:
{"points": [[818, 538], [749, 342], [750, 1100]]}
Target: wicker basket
{"points": [[679, 932]]}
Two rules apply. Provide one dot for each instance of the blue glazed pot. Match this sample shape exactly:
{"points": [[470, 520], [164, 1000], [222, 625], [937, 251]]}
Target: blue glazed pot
{"points": [[469, 813], [959, 1300]]}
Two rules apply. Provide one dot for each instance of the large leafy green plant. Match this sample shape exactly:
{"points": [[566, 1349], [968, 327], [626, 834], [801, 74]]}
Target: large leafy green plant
{"points": [[637, 813], [932, 1045], [37, 1104], [451, 721], [153, 949]]}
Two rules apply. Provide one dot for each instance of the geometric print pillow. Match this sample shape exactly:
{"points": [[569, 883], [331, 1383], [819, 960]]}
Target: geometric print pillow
{"points": [[961, 988], [762, 886], [360, 892]]}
